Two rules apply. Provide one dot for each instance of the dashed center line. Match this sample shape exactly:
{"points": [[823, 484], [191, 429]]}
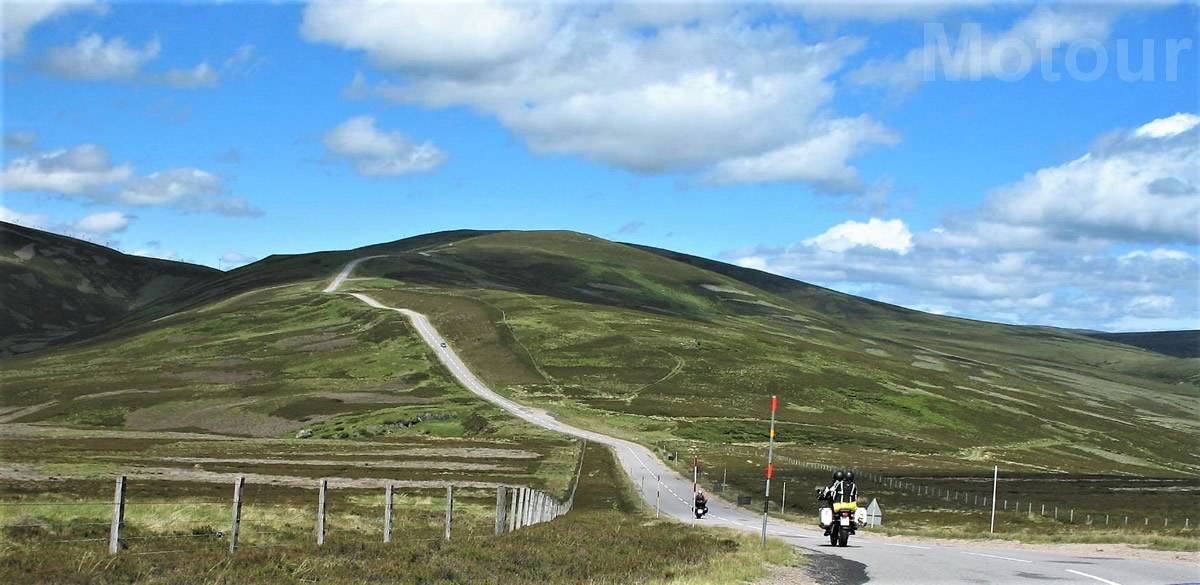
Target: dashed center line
{"points": [[997, 557], [1100, 579]]}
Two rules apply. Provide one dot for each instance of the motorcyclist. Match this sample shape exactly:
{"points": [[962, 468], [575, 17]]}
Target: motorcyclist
{"points": [[701, 504], [842, 491]]}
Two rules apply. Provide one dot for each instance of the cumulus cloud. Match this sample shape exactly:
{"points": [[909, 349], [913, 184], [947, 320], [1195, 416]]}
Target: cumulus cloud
{"points": [[233, 259], [1142, 185], [74, 171], [33, 220], [202, 75], [890, 235], [1066, 245], [19, 140], [188, 189], [973, 54], [676, 88], [87, 172], [820, 159], [102, 223], [20, 17], [376, 153], [462, 36], [93, 58]]}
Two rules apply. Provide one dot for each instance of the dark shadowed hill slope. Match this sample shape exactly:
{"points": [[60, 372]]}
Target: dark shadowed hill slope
{"points": [[1185, 344], [54, 287]]}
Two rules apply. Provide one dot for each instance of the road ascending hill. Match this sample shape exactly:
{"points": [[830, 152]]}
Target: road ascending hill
{"points": [[869, 559]]}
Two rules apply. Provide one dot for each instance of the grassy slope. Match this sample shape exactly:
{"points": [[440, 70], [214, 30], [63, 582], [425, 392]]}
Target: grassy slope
{"points": [[689, 349], [681, 347]]}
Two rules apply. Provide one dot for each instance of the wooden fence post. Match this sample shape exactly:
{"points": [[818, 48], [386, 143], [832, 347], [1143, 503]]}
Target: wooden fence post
{"points": [[321, 513], [501, 492], [235, 523], [118, 518], [449, 509], [387, 513], [512, 510]]}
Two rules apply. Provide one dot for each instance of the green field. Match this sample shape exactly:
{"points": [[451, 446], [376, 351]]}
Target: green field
{"points": [[602, 541], [257, 371]]}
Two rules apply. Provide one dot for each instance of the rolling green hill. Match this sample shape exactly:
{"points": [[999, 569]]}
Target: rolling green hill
{"points": [[56, 287], [645, 343]]}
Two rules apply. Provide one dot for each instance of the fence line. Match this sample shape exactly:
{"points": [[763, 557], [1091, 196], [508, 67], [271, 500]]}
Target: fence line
{"points": [[969, 499]]}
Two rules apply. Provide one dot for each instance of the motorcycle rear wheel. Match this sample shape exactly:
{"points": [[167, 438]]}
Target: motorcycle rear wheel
{"points": [[843, 537]]}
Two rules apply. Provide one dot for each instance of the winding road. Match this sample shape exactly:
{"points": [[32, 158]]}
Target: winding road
{"points": [[867, 560]]}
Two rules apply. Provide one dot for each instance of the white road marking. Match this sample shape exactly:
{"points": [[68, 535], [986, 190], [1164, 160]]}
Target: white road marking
{"points": [[1100, 579], [996, 557], [906, 545]]}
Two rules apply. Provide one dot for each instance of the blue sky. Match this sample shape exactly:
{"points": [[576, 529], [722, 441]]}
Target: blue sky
{"points": [[835, 143]]}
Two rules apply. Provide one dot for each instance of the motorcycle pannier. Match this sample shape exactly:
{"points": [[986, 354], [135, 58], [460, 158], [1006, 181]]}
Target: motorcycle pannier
{"points": [[826, 517]]}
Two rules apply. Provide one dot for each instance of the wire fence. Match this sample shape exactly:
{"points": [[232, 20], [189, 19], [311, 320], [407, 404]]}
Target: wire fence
{"points": [[254, 519], [966, 498]]}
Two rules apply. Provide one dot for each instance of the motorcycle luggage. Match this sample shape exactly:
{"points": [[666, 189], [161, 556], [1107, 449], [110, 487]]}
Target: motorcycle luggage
{"points": [[826, 517]]}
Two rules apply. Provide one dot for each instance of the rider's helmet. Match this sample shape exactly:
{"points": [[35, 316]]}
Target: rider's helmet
{"points": [[849, 475], [838, 475]]}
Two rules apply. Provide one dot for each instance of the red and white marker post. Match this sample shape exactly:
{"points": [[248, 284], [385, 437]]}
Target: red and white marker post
{"points": [[770, 467]]}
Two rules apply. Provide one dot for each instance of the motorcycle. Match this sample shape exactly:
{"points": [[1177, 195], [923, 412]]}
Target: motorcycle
{"points": [[840, 519], [700, 509]]}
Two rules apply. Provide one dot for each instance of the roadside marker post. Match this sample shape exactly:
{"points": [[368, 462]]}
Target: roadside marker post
{"points": [[235, 524], [449, 510], [770, 468], [658, 496], [321, 512], [387, 513], [118, 518], [995, 482]]}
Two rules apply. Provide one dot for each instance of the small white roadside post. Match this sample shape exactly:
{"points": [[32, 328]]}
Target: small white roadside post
{"points": [[118, 518], [235, 523], [321, 513], [995, 482], [387, 514]]}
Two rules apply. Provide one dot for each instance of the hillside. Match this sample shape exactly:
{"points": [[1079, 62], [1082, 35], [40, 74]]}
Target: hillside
{"points": [[1184, 344], [55, 287], [644, 343]]}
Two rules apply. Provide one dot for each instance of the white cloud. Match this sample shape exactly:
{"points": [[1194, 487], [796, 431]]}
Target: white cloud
{"points": [[20, 17], [379, 154], [33, 220], [102, 223], [970, 53], [188, 189], [19, 140], [1155, 255], [458, 35], [88, 172], [676, 88], [94, 58], [1139, 186], [890, 235], [1150, 305], [232, 259], [1052, 248], [202, 75], [74, 171], [821, 160], [1169, 126]]}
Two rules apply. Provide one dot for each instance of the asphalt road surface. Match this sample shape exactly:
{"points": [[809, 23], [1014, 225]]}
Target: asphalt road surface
{"points": [[866, 560]]}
